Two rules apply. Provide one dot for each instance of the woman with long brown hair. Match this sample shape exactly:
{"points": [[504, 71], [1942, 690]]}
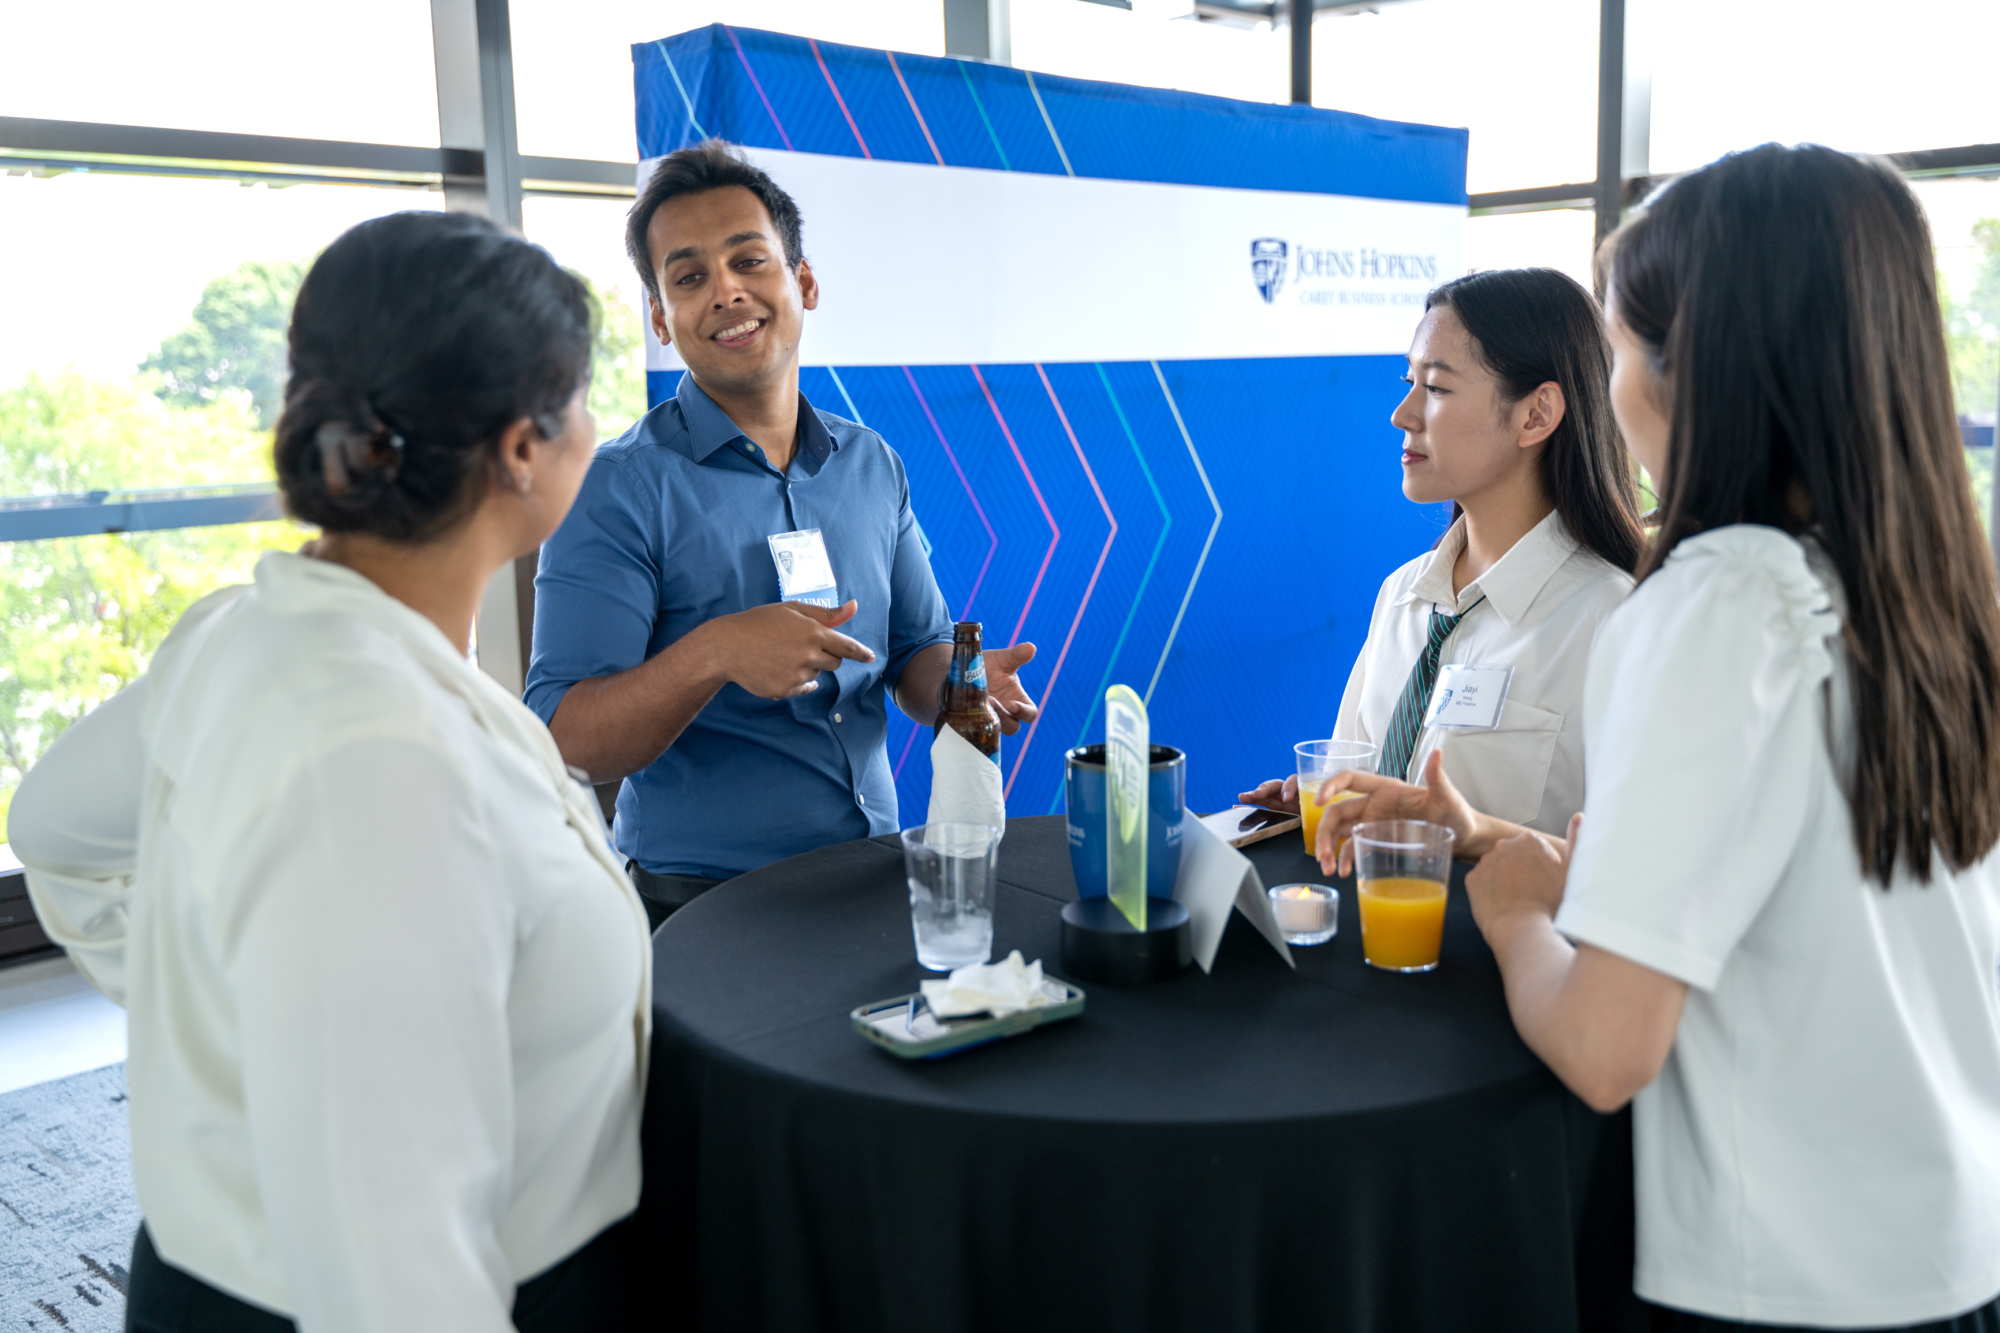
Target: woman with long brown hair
{"points": [[1508, 419], [1777, 929]]}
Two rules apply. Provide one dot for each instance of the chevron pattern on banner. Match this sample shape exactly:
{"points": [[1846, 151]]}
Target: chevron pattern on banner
{"points": [[769, 90], [1210, 532]]}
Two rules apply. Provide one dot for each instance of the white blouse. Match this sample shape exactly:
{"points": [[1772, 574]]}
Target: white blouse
{"points": [[388, 984], [1536, 610], [1823, 1144]]}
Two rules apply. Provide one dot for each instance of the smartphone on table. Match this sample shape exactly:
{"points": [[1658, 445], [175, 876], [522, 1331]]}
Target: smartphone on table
{"points": [[904, 1026]]}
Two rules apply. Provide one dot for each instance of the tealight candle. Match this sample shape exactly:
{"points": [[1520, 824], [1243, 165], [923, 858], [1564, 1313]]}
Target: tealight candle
{"points": [[1307, 913]]}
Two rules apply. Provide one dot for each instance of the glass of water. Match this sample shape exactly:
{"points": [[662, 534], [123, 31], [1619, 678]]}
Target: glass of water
{"points": [[950, 869]]}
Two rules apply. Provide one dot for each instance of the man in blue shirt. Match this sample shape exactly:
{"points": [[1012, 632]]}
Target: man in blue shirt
{"points": [[685, 639]]}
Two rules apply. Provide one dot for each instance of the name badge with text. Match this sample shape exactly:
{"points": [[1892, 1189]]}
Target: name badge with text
{"points": [[1469, 698], [804, 572]]}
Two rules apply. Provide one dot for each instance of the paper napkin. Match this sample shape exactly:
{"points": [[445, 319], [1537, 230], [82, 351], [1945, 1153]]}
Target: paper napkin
{"points": [[965, 784], [1216, 879], [1002, 988]]}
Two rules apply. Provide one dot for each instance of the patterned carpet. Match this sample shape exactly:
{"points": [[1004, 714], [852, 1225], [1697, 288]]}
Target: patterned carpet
{"points": [[66, 1208]]}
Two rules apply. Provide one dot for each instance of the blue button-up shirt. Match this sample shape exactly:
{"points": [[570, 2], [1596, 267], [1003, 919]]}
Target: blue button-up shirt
{"points": [[670, 531]]}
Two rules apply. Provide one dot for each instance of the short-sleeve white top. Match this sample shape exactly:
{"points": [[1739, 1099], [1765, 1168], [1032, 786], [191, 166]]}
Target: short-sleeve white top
{"points": [[1537, 610], [388, 985], [1823, 1144]]}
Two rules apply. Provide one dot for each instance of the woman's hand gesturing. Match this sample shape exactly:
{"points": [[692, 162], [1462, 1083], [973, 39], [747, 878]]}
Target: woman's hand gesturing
{"points": [[1274, 795], [1355, 798]]}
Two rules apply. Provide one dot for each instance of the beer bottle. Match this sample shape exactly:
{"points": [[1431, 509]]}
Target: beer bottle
{"points": [[962, 697]]}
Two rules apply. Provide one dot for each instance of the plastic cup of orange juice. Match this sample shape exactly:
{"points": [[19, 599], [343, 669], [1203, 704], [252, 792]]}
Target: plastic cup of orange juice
{"points": [[1318, 762], [1401, 868]]}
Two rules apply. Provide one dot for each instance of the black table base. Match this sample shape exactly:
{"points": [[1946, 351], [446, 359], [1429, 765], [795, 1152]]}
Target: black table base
{"points": [[1332, 1148]]}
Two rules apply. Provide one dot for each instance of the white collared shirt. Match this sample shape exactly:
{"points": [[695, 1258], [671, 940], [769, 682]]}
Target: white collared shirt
{"points": [[1822, 1146], [1536, 610], [388, 985]]}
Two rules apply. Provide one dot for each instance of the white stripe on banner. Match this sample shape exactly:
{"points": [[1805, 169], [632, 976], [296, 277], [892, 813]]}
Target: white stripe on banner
{"points": [[929, 265]]}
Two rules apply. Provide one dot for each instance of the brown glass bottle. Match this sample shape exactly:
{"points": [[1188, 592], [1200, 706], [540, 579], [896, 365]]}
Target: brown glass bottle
{"points": [[962, 697]]}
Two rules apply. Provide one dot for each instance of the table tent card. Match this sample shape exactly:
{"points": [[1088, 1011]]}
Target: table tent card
{"points": [[1215, 880], [1127, 752]]}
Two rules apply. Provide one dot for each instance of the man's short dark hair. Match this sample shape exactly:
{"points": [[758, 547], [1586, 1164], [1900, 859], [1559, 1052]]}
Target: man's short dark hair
{"points": [[714, 164]]}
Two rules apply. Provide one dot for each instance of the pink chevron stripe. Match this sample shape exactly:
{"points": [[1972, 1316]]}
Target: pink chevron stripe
{"points": [[1049, 690], [759, 87], [1054, 531], [839, 101], [904, 757], [992, 538], [913, 107]]}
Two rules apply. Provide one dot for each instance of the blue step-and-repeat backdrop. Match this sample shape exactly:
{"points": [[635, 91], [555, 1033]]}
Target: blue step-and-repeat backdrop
{"points": [[1137, 350]]}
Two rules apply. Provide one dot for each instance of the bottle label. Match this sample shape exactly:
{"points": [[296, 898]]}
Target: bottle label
{"points": [[968, 674]]}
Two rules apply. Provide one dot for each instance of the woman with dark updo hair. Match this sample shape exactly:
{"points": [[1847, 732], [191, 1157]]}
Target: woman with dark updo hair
{"points": [[387, 983]]}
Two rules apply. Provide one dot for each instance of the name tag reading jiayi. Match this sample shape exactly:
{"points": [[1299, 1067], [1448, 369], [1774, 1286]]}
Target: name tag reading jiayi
{"points": [[805, 574], [1469, 697]]}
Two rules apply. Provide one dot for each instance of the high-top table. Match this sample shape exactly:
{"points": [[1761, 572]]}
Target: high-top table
{"points": [[1334, 1147]]}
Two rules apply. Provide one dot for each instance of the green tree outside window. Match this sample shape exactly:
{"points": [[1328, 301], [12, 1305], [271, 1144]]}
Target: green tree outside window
{"points": [[81, 617], [1972, 333]]}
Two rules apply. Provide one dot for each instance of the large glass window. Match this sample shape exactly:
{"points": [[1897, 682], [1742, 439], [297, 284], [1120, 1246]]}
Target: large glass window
{"points": [[587, 236], [573, 63], [1522, 76], [1558, 238], [1965, 227], [81, 618], [360, 70], [1864, 77], [165, 300], [1156, 45], [144, 348]]}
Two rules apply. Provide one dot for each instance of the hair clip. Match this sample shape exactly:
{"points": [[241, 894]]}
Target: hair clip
{"points": [[346, 453]]}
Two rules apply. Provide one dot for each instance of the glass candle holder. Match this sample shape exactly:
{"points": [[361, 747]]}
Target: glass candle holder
{"points": [[1307, 913]]}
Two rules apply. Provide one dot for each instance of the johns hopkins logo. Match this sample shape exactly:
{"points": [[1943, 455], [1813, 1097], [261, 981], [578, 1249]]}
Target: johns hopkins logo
{"points": [[1267, 266]]}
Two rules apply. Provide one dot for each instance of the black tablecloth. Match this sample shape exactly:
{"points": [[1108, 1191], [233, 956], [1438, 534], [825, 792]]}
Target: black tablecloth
{"points": [[1257, 1148]]}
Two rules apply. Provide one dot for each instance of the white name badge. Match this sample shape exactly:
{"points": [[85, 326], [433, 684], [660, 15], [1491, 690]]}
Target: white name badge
{"points": [[1469, 698], [804, 572]]}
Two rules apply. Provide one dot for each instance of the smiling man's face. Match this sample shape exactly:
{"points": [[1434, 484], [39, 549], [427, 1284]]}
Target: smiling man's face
{"points": [[728, 301]]}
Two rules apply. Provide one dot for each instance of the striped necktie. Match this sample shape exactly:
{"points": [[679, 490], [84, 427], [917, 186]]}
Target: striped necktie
{"points": [[1407, 724]]}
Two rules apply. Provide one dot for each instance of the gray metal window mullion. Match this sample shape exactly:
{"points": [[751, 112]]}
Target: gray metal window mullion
{"points": [[474, 50], [46, 518], [28, 143]]}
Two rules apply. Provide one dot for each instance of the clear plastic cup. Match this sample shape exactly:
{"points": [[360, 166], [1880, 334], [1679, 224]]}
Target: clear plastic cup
{"points": [[1401, 868], [950, 872], [1318, 761]]}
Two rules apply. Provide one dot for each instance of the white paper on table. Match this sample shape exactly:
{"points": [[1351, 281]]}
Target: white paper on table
{"points": [[1214, 879], [965, 784]]}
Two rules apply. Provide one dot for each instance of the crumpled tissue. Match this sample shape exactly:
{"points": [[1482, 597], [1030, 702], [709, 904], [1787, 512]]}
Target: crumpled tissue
{"points": [[1002, 988]]}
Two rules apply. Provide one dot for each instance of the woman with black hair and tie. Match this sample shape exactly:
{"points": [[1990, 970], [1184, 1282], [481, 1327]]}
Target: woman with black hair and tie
{"points": [[387, 982], [1776, 929], [1508, 418]]}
